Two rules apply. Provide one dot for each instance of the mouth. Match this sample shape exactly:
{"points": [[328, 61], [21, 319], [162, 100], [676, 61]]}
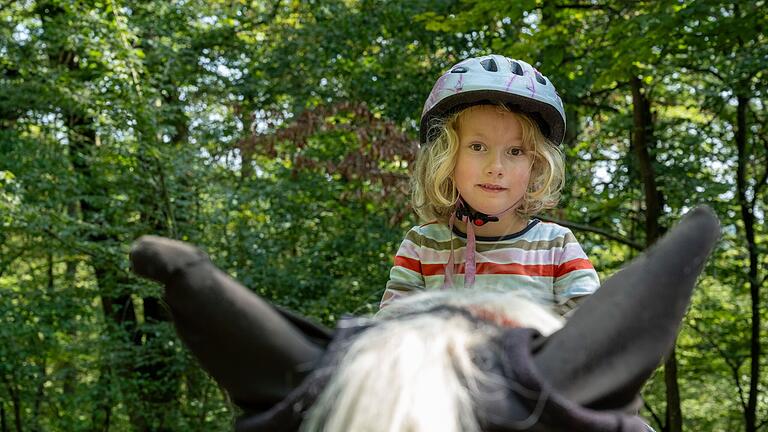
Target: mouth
{"points": [[491, 187]]}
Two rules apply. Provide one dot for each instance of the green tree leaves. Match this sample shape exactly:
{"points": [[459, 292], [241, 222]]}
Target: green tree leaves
{"points": [[278, 136]]}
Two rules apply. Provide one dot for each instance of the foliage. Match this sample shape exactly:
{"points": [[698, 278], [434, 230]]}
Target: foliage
{"points": [[278, 136]]}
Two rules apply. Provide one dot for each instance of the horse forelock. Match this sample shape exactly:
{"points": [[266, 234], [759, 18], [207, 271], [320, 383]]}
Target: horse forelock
{"points": [[416, 368]]}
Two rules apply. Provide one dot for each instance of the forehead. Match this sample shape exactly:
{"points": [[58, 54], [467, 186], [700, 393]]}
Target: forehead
{"points": [[489, 119]]}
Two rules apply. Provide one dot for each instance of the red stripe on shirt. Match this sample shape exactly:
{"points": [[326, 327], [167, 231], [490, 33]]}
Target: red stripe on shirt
{"points": [[573, 265], [546, 270], [494, 268], [409, 263]]}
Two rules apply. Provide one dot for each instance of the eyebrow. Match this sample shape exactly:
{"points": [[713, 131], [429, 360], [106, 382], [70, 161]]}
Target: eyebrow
{"points": [[482, 136]]}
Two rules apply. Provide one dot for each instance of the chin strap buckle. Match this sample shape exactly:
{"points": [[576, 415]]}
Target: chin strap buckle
{"points": [[477, 218]]}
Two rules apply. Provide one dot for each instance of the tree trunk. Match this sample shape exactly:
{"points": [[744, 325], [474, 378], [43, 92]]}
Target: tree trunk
{"points": [[674, 415], [746, 206], [13, 392], [117, 308], [116, 304], [643, 142], [3, 421]]}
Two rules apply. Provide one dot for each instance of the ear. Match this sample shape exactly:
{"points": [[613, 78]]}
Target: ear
{"points": [[617, 338], [253, 351]]}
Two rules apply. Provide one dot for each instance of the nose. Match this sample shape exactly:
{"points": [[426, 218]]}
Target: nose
{"points": [[495, 165]]}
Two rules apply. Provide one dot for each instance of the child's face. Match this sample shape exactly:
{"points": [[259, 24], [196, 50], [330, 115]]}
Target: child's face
{"points": [[493, 166]]}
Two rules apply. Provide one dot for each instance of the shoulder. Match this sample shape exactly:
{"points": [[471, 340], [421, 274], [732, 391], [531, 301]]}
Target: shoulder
{"points": [[550, 231], [432, 231]]}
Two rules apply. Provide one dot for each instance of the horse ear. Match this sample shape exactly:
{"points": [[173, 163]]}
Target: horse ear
{"points": [[617, 338], [255, 351]]}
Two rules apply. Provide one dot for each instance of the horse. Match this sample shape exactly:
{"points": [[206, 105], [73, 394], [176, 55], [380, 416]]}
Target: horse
{"points": [[453, 360]]}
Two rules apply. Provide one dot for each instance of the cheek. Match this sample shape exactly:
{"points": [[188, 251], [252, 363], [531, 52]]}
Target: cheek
{"points": [[523, 166], [520, 173], [463, 172], [459, 177]]}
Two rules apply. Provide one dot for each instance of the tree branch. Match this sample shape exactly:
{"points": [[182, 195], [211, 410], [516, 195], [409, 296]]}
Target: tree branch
{"points": [[761, 424], [732, 365], [709, 70], [654, 415], [90, 253], [595, 230]]}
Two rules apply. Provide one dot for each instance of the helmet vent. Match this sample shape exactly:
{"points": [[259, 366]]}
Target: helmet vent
{"points": [[540, 79], [460, 69], [490, 65], [516, 68]]}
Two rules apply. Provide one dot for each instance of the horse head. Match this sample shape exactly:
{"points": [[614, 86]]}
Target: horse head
{"points": [[463, 361]]}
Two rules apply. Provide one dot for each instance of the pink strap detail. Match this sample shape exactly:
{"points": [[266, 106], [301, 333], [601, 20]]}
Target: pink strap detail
{"points": [[469, 276], [448, 279], [469, 262]]}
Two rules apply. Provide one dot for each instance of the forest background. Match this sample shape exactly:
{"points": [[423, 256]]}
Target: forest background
{"points": [[277, 135]]}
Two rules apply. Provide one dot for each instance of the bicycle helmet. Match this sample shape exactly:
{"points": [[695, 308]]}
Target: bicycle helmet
{"points": [[493, 79]]}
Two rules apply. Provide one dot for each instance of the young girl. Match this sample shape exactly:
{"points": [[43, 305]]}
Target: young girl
{"points": [[489, 161]]}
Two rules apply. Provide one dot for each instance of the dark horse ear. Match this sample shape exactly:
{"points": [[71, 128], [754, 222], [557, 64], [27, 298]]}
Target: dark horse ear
{"points": [[256, 351], [618, 337]]}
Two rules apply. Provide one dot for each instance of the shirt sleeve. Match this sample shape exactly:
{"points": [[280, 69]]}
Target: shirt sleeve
{"points": [[575, 277], [405, 277]]}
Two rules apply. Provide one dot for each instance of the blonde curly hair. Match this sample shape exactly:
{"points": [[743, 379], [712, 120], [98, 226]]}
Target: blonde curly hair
{"points": [[434, 195]]}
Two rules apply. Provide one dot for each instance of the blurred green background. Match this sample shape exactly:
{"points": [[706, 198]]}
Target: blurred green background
{"points": [[277, 135]]}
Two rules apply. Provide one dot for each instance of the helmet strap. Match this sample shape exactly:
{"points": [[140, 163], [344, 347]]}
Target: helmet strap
{"points": [[465, 213], [471, 218]]}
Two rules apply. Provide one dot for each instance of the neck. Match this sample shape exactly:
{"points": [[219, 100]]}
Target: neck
{"points": [[507, 224]]}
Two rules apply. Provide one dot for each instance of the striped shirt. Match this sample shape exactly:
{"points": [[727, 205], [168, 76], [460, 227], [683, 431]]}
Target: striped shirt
{"points": [[544, 259]]}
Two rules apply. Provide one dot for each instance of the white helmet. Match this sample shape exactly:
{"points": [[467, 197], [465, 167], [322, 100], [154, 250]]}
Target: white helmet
{"points": [[494, 79]]}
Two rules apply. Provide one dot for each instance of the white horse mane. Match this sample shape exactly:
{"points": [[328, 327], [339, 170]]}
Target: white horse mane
{"points": [[413, 371]]}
